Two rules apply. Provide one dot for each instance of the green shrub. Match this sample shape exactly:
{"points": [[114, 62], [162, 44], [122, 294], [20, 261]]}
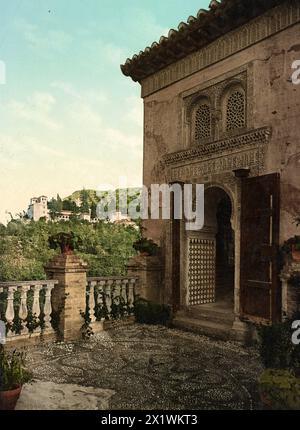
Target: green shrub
{"points": [[290, 244], [152, 313], [281, 389], [12, 370], [25, 250], [276, 348], [147, 246]]}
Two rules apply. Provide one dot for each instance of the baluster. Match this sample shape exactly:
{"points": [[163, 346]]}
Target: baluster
{"points": [[117, 292], [10, 312], [1, 310], [124, 294], [23, 310], [48, 307], [131, 294], [100, 301], [36, 310], [108, 297], [91, 301]]}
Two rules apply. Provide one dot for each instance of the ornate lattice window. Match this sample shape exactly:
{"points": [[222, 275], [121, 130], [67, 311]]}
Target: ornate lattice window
{"points": [[202, 268], [235, 110], [203, 122]]}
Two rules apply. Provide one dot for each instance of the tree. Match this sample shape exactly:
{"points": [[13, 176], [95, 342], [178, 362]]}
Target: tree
{"points": [[85, 206], [59, 203], [24, 247], [93, 211], [69, 205]]}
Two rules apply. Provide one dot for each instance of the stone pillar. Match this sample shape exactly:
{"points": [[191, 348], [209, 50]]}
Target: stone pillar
{"points": [[150, 273], [243, 331], [69, 295]]}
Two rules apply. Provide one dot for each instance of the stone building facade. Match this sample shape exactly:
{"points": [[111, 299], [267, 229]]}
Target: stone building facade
{"points": [[38, 208], [220, 109]]}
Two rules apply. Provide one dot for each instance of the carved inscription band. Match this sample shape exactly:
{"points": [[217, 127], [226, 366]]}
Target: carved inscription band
{"points": [[244, 159]]}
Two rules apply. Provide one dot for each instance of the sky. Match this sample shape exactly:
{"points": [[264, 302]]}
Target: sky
{"points": [[69, 119]]}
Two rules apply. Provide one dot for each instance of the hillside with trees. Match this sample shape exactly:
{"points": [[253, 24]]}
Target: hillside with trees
{"points": [[25, 250], [89, 200]]}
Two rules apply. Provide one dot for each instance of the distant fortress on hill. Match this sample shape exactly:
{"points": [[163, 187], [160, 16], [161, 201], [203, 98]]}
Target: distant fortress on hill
{"points": [[81, 205], [38, 208]]}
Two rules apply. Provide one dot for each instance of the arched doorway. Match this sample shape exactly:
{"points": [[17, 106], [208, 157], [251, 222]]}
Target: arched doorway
{"points": [[211, 254], [224, 253], [218, 216]]}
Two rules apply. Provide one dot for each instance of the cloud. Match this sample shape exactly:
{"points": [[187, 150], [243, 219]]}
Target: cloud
{"points": [[15, 150], [84, 114], [69, 90], [44, 41], [148, 27], [110, 53], [95, 141], [37, 109], [134, 112]]}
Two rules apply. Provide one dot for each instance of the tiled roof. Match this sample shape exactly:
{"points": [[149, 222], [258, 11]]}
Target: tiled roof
{"points": [[221, 17]]}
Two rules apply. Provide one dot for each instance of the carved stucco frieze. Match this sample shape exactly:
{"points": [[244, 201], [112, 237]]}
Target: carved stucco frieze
{"points": [[217, 160], [250, 138]]}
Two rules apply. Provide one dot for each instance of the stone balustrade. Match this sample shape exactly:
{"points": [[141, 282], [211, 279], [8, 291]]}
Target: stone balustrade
{"points": [[55, 307], [26, 308], [110, 297]]}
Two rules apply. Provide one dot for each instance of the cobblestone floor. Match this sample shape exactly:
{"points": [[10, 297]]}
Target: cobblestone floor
{"points": [[155, 368]]}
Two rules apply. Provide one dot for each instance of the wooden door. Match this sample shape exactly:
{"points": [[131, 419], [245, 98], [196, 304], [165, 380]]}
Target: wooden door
{"points": [[260, 284]]}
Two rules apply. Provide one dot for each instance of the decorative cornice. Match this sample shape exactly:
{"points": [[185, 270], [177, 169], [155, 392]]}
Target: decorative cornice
{"points": [[156, 74], [250, 138]]}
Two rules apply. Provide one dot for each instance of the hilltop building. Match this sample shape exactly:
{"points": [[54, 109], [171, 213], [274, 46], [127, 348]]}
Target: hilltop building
{"points": [[38, 208]]}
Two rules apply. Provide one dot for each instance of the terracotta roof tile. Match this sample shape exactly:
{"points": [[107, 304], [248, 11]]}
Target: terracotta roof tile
{"points": [[221, 17]]}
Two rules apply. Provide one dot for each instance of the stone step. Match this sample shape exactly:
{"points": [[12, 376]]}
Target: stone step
{"points": [[212, 329], [211, 314]]}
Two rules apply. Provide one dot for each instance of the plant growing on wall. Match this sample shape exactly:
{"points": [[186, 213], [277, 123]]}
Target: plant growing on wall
{"points": [[86, 328], [67, 242], [146, 247], [291, 248]]}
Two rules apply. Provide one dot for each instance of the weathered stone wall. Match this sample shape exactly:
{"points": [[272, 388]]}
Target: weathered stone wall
{"points": [[273, 102]]}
